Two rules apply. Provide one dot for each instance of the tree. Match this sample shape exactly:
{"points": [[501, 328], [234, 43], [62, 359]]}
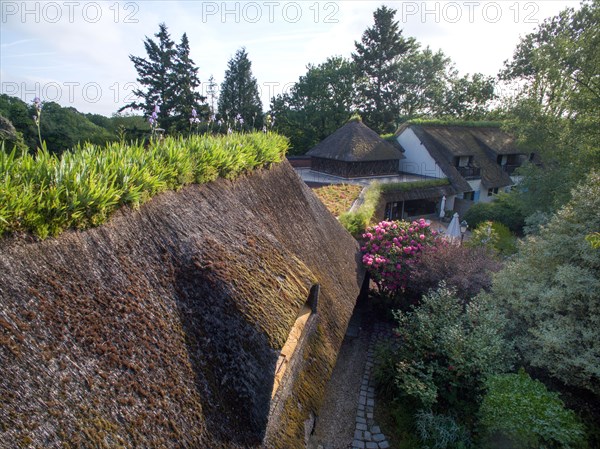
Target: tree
{"points": [[170, 79], [377, 60], [186, 86], [423, 78], [10, 138], [551, 290], [317, 105], [239, 93], [555, 111], [467, 97]]}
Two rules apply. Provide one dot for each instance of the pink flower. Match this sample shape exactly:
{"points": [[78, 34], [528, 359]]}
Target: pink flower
{"points": [[422, 237]]}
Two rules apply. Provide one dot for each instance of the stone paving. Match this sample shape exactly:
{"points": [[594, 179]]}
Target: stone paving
{"points": [[367, 434]]}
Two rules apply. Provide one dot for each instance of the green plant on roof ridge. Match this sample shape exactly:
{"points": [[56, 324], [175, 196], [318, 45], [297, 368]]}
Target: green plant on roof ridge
{"points": [[46, 194], [455, 122]]}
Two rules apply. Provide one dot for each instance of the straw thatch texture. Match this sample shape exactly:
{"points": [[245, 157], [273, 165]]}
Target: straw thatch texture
{"points": [[355, 150], [355, 142], [162, 328]]}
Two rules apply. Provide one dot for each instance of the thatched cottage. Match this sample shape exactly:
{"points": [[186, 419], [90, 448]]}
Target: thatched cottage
{"points": [[208, 318], [478, 161], [354, 151]]}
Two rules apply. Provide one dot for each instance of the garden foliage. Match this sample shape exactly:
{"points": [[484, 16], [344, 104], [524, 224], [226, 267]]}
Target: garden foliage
{"points": [[504, 209], [522, 411], [46, 194], [467, 270], [448, 349], [441, 431], [552, 292], [495, 236]]}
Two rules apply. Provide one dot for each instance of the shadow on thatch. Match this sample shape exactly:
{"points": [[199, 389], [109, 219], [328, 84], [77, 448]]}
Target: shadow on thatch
{"points": [[163, 327]]}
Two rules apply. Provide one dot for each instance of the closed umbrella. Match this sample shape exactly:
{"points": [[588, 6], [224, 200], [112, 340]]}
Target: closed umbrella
{"points": [[453, 231], [443, 207]]}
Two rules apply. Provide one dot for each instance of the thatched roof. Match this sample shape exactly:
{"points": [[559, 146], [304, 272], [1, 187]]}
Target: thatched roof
{"points": [[419, 193], [355, 142], [163, 327], [445, 142]]}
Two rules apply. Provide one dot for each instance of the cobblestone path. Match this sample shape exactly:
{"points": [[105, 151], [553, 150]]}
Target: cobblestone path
{"points": [[367, 434]]}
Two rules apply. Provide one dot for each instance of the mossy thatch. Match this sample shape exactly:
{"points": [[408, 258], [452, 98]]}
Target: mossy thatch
{"points": [[162, 328]]}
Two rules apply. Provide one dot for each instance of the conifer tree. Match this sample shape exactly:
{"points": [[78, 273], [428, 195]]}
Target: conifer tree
{"points": [[169, 80], [377, 60], [186, 86], [239, 92]]}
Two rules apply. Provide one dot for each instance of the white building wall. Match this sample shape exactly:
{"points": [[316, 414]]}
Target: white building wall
{"points": [[418, 161]]}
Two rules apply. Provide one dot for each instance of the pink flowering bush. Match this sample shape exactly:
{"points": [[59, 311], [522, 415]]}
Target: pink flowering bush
{"points": [[391, 248]]}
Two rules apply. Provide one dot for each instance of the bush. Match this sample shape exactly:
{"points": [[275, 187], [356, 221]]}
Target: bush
{"points": [[357, 222], [390, 249], [522, 411], [441, 431], [551, 290], [448, 350], [46, 194], [504, 209], [493, 235], [466, 270]]}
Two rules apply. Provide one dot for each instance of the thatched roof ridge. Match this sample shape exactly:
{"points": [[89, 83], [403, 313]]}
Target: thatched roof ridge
{"points": [[163, 327], [355, 142]]}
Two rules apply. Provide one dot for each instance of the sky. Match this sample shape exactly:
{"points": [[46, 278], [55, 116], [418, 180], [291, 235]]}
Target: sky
{"points": [[76, 53]]}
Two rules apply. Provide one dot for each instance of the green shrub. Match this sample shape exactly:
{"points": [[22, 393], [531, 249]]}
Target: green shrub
{"points": [[493, 235], [504, 209], [522, 411], [46, 194], [441, 431], [448, 350], [356, 222]]}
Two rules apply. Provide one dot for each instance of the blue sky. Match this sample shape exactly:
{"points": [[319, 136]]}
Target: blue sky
{"points": [[76, 52]]}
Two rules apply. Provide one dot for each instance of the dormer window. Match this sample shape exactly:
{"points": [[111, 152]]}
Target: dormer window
{"points": [[464, 161], [502, 159]]}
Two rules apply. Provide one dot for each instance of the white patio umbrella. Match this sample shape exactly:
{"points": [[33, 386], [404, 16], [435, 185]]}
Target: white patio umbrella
{"points": [[442, 207], [453, 231]]}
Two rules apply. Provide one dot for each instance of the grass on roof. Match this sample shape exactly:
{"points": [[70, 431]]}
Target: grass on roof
{"points": [[46, 194], [455, 122], [357, 221], [338, 198], [406, 186]]}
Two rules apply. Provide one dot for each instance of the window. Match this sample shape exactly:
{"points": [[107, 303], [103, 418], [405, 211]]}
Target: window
{"points": [[493, 191], [464, 161], [295, 337], [469, 196]]}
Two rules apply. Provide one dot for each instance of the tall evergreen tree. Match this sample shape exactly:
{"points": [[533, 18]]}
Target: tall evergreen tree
{"points": [[168, 78], [186, 95], [377, 60], [239, 92]]}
